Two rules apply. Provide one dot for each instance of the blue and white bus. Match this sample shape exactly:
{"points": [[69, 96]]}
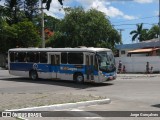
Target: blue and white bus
{"points": [[78, 64]]}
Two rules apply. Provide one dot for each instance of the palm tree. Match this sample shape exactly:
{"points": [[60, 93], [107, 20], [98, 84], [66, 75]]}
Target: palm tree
{"points": [[140, 33], [154, 32]]}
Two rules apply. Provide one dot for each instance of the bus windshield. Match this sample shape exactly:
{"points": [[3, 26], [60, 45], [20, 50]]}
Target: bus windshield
{"points": [[106, 61]]}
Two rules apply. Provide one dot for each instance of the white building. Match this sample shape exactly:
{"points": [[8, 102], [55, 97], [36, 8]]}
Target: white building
{"points": [[145, 48], [135, 56]]}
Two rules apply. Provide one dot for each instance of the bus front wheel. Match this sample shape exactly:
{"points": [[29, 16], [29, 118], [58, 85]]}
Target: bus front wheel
{"points": [[79, 78], [33, 74]]}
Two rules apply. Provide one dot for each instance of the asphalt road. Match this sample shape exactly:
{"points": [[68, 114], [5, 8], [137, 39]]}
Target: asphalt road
{"points": [[127, 93]]}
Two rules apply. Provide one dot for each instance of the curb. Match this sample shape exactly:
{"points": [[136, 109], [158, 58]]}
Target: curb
{"points": [[64, 106], [138, 75]]}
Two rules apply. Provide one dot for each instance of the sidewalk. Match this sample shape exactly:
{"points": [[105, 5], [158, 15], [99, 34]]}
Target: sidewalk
{"points": [[1, 68], [17, 101], [138, 75]]}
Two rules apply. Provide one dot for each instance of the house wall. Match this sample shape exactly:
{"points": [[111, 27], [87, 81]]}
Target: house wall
{"points": [[139, 55], [122, 51], [138, 64]]}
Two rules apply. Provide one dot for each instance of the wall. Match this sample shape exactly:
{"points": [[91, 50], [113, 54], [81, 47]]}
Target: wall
{"points": [[139, 55], [138, 64], [126, 52]]}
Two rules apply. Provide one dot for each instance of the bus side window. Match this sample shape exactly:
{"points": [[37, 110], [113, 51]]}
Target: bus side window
{"points": [[21, 56], [95, 63], [43, 57], [11, 56], [53, 60], [91, 59], [36, 56], [16, 57], [75, 58], [30, 56], [64, 58], [57, 59]]}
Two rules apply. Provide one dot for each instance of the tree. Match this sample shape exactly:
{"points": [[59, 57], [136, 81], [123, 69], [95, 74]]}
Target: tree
{"points": [[144, 35], [7, 36], [58, 40], [15, 14], [50, 22], [27, 35], [153, 32], [31, 8], [139, 33], [48, 2], [85, 28], [4, 13]]}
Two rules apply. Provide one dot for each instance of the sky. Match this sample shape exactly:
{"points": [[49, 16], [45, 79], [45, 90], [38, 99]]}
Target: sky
{"points": [[123, 14]]}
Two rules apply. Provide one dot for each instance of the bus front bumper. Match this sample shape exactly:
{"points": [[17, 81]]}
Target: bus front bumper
{"points": [[108, 77]]}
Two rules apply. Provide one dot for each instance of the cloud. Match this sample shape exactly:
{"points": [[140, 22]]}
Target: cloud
{"points": [[156, 13], [101, 5], [109, 10], [128, 17], [55, 10], [1, 2]]}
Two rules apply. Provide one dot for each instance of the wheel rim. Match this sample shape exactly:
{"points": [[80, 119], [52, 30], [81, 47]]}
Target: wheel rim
{"points": [[79, 78], [33, 75]]}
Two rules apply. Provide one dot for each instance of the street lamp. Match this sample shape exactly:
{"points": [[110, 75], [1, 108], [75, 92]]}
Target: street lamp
{"points": [[120, 32]]}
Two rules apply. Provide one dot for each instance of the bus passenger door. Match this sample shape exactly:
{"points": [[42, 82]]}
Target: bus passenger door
{"points": [[90, 66], [55, 65]]}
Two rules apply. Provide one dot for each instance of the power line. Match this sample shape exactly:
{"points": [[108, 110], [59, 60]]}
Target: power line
{"points": [[134, 24], [125, 28]]}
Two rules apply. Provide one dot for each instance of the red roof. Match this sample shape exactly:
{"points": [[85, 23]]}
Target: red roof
{"points": [[48, 32], [143, 50]]}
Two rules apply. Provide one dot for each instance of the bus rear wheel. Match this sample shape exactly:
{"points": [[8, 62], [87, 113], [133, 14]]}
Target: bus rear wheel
{"points": [[79, 78], [33, 74]]}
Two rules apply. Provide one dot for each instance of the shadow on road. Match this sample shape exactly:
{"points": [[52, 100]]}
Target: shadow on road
{"points": [[157, 105], [57, 82]]}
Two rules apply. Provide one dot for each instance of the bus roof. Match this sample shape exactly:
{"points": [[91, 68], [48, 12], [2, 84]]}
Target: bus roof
{"points": [[89, 49]]}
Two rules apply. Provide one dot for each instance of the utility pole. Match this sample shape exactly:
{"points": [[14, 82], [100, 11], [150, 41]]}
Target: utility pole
{"points": [[120, 32], [42, 22], [159, 19]]}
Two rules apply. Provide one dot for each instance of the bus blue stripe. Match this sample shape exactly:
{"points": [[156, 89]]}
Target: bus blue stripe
{"points": [[63, 68]]}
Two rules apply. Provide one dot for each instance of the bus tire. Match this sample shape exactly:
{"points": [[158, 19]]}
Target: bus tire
{"points": [[79, 78], [33, 75]]}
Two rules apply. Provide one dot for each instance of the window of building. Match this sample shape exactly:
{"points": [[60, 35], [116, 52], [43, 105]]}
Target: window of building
{"points": [[158, 52], [123, 52]]}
